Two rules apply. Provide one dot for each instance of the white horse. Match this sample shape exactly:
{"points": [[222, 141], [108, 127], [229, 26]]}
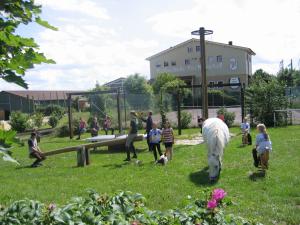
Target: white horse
{"points": [[216, 135]]}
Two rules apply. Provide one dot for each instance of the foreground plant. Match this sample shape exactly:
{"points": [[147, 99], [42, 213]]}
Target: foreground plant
{"points": [[122, 208]]}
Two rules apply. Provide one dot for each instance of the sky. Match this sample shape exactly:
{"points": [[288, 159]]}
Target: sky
{"points": [[102, 40]]}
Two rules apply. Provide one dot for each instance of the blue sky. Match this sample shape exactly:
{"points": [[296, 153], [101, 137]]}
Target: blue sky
{"points": [[101, 40]]}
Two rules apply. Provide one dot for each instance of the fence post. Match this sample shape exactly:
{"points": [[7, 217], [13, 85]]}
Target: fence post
{"points": [[81, 158], [70, 116], [87, 156], [179, 112], [119, 112]]}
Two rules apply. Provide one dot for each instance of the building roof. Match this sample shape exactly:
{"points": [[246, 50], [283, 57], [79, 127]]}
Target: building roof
{"points": [[42, 95], [197, 40], [117, 81]]}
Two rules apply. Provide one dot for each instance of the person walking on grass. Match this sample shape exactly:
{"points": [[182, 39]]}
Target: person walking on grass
{"points": [[262, 147], [34, 151], [168, 139], [149, 123], [132, 133], [155, 139]]}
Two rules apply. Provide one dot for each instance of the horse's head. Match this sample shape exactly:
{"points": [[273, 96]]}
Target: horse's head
{"points": [[214, 165]]}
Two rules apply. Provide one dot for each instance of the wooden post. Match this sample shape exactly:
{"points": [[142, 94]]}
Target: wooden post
{"points": [[179, 112], [70, 116], [119, 111], [87, 156], [33, 104], [203, 74], [81, 157], [243, 101]]}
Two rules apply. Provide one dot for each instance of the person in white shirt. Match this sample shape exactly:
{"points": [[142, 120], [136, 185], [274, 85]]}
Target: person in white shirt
{"points": [[34, 151]]}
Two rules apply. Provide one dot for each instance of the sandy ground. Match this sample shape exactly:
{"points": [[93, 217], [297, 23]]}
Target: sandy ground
{"points": [[195, 141]]}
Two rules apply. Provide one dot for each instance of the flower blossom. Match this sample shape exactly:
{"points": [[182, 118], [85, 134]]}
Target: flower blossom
{"points": [[218, 194], [211, 204]]}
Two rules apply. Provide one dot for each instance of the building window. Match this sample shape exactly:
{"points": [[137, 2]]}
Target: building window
{"points": [[219, 58], [158, 65], [166, 64], [189, 49], [187, 62], [173, 63], [198, 48]]}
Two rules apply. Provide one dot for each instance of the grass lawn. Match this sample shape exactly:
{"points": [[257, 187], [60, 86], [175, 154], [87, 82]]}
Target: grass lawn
{"points": [[274, 199]]}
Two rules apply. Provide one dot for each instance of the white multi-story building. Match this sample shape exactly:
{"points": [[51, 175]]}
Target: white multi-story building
{"points": [[225, 63]]}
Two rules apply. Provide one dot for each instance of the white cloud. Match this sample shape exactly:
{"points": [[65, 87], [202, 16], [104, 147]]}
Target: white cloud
{"points": [[267, 27], [86, 7]]}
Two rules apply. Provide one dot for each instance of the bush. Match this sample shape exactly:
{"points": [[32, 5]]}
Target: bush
{"points": [[64, 131], [52, 109], [228, 116], [18, 121], [53, 121], [38, 119], [122, 208], [186, 119], [7, 138]]}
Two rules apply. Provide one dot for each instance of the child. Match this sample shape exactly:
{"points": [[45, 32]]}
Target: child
{"points": [[263, 147], [81, 128], [200, 123], [168, 139], [155, 139], [245, 127], [34, 151]]}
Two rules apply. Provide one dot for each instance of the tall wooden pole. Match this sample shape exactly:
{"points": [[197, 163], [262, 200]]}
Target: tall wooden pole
{"points": [[243, 101], [203, 74]]}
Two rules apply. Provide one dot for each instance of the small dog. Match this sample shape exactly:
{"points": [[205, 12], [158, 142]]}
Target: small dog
{"points": [[163, 159]]}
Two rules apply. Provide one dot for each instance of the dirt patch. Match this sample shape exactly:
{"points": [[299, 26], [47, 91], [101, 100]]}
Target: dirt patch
{"points": [[195, 140]]}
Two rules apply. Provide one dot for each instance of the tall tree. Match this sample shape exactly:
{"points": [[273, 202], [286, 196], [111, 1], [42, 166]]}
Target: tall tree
{"points": [[263, 96], [18, 53], [138, 92]]}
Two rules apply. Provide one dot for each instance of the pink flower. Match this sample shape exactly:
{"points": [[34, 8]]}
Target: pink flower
{"points": [[218, 194], [51, 207], [211, 204]]}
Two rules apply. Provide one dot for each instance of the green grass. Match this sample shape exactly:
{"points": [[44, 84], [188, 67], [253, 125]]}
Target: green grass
{"points": [[274, 199]]}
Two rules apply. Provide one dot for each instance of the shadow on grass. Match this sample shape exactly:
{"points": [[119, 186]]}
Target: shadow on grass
{"points": [[24, 167], [106, 151], [200, 178], [120, 165], [260, 174]]}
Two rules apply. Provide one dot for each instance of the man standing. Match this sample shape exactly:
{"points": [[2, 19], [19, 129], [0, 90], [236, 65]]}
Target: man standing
{"points": [[132, 133], [149, 124], [34, 151]]}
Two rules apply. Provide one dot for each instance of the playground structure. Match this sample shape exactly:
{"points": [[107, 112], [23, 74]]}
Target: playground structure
{"points": [[111, 91], [83, 151]]}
